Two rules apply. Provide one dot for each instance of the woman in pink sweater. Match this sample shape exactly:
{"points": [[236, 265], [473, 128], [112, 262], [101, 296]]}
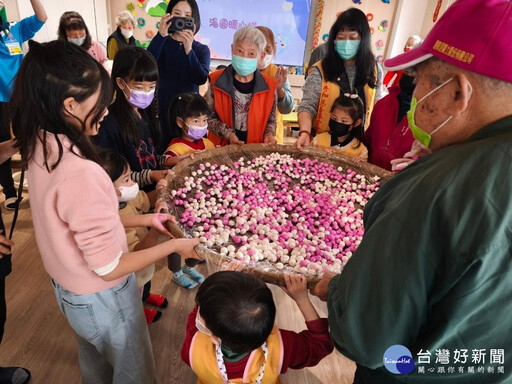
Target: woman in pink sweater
{"points": [[75, 212]]}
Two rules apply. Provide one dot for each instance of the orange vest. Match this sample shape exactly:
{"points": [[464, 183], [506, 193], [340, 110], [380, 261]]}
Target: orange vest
{"points": [[260, 108], [330, 92], [271, 71], [203, 361]]}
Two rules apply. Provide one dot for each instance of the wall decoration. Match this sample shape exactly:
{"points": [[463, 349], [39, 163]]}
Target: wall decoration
{"points": [[356, 1], [130, 7], [380, 59], [385, 1], [384, 25], [372, 30], [156, 8], [141, 22], [318, 22], [150, 34], [369, 17], [379, 44]]}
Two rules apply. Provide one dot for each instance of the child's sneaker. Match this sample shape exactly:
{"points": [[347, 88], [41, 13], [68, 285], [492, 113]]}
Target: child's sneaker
{"points": [[157, 300], [183, 280], [152, 315], [192, 272]]}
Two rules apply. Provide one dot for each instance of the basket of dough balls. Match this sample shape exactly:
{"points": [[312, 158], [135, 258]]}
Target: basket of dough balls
{"points": [[275, 208]]}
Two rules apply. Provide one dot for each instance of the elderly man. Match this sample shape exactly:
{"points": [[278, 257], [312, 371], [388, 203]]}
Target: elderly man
{"points": [[432, 278]]}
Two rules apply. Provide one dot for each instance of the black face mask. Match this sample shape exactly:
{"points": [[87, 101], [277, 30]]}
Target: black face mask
{"points": [[406, 84], [337, 129]]}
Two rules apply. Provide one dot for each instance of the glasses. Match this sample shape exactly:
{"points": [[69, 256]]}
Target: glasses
{"points": [[351, 95]]}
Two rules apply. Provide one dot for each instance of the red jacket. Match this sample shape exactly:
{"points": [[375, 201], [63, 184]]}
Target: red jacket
{"points": [[385, 139], [259, 111]]}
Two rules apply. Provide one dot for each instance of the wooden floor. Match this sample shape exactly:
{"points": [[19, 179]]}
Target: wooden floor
{"points": [[38, 337]]}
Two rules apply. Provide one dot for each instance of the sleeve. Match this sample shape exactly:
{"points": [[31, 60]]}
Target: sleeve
{"points": [[100, 51], [287, 104], [191, 331], [199, 62], [311, 93], [208, 144], [28, 27], [270, 129], [215, 125], [307, 348], [379, 90], [131, 238], [369, 309], [143, 202], [112, 48], [156, 46], [84, 202], [142, 178]]}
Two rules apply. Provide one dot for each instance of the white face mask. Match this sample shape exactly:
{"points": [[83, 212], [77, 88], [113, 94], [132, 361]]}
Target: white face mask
{"points": [[128, 193], [267, 60], [201, 327], [78, 41], [127, 33]]}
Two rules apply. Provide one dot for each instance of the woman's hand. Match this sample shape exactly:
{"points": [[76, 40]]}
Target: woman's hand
{"points": [[157, 221], [233, 265], [280, 78], [186, 37], [303, 141], [164, 25], [269, 139], [5, 245], [157, 175], [185, 247], [234, 140]]}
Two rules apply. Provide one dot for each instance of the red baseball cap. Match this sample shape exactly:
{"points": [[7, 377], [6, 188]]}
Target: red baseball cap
{"points": [[475, 35]]}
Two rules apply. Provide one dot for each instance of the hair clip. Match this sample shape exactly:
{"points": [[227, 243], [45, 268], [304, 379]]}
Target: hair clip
{"points": [[351, 95]]}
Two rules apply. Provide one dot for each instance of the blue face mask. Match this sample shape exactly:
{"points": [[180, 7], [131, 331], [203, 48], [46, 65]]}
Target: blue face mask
{"points": [[244, 66], [347, 49]]}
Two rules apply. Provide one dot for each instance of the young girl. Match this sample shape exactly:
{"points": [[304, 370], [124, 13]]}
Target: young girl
{"points": [[131, 127], [133, 201], [345, 128], [78, 229], [188, 119], [188, 122]]}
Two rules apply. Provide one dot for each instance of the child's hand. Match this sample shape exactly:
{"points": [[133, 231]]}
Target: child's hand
{"points": [[171, 161], [158, 220], [296, 287], [185, 247], [358, 159], [157, 175], [233, 265], [161, 206]]}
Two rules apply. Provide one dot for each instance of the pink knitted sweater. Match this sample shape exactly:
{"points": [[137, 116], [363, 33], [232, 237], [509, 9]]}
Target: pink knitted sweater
{"points": [[76, 220]]}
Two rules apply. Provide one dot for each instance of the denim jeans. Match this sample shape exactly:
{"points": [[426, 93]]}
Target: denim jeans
{"points": [[113, 337]]}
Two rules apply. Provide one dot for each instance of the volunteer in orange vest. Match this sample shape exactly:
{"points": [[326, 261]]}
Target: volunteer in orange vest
{"points": [[242, 99], [349, 67], [285, 102]]}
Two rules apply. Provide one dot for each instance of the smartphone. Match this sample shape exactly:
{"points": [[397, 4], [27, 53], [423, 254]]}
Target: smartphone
{"points": [[178, 23]]}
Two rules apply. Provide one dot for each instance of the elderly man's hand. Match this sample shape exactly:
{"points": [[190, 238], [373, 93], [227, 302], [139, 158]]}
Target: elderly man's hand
{"points": [[234, 140], [320, 290], [269, 139], [417, 151]]}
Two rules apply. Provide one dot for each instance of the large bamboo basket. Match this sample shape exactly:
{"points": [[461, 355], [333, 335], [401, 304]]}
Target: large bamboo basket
{"points": [[227, 156]]}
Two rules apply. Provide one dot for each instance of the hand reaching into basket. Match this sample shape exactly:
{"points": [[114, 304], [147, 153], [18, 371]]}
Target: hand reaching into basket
{"points": [[234, 140], [233, 265], [320, 290], [297, 289]]}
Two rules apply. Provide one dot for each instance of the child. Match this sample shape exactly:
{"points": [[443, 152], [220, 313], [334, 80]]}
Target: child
{"points": [[188, 119], [345, 134], [78, 229], [231, 333], [132, 128], [133, 201]]}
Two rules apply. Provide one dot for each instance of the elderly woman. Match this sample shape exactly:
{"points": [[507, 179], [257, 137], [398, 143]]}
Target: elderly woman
{"points": [[72, 28], [244, 100], [123, 36], [349, 67]]}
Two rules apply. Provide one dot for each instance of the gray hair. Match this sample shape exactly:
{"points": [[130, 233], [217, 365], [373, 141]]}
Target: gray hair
{"points": [[125, 17], [252, 35]]}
